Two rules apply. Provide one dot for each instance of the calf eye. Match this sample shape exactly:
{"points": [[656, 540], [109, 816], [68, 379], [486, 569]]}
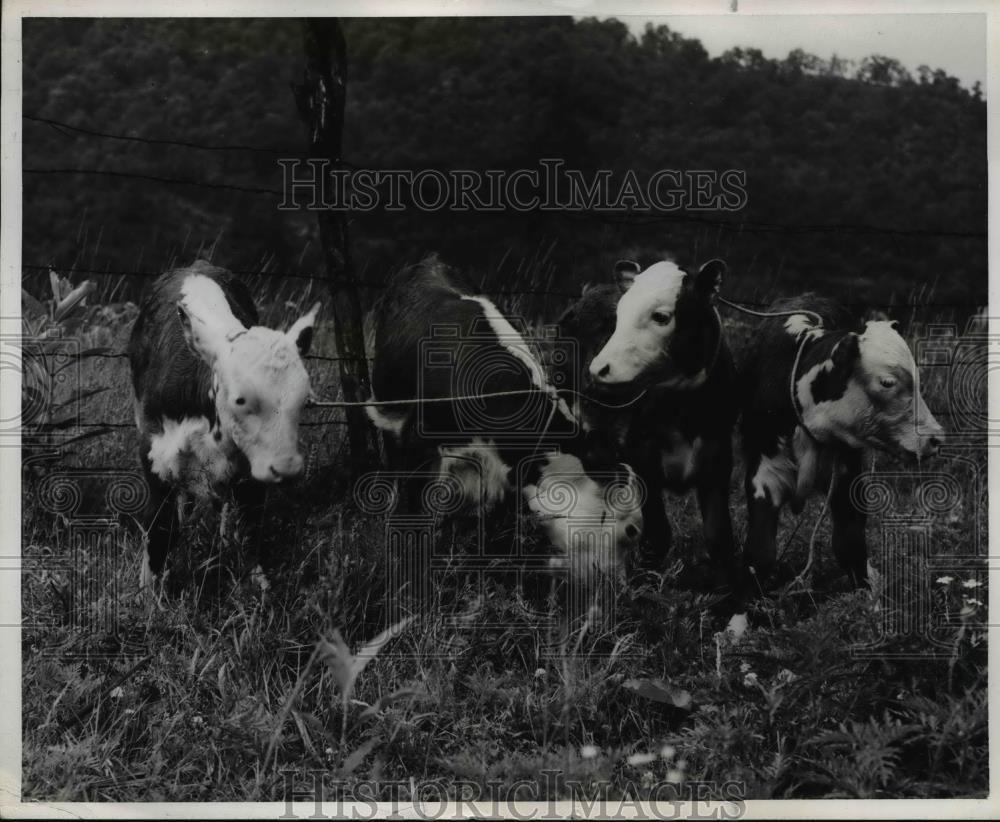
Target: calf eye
{"points": [[887, 382], [661, 317], [241, 401]]}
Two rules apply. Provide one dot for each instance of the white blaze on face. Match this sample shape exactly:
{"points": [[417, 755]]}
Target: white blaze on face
{"points": [[260, 383], [882, 405], [590, 522], [644, 325]]}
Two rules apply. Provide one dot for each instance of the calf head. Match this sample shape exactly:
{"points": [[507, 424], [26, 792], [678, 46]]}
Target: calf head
{"points": [[259, 383], [666, 327], [867, 393], [592, 520]]}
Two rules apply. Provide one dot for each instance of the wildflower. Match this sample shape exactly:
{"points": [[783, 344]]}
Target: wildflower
{"points": [[648, 779], [945, 580], [675, 776], [589, 751], [541, 673], [786, 676], [750, 680], [971, 601], [641, 758], [667, 751], [971, 583], [197, 720], [117, 693], [744, 667]]}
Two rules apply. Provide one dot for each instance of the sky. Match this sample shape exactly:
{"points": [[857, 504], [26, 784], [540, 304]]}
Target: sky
{"points": [[953, 42]]}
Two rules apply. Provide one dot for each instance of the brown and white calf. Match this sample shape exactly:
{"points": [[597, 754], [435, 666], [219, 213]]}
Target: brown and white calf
{"points": [[217, 398], [658, 330], [437, 338], [853, 388]]}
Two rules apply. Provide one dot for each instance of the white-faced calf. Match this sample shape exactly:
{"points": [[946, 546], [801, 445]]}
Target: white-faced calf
{"points": [[217, 398], [658, 330], [853, 389]]}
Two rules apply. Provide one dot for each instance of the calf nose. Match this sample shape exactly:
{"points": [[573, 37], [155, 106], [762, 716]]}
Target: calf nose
{"points": [[632, 532], [932, 443], [602, 372]]}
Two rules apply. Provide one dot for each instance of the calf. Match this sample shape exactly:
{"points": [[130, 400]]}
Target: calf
{"points": [[437, 338], [852, 388], [217, 398], [658, 330]]}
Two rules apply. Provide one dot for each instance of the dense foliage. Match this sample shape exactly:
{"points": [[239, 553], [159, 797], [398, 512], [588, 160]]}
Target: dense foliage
{"points": [[855, 173]]}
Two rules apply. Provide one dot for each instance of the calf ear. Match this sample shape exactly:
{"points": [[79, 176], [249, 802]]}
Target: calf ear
{"points": [[708, 280], [625, 273], [301, 332], [846, 354]]}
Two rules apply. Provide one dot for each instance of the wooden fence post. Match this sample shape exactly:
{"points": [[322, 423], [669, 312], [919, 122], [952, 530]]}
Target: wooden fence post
{"points": [[320, 99]]}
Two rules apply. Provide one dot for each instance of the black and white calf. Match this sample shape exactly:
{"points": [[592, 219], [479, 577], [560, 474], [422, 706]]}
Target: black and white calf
{"points": [[658, 330], [853, 388], [217, 398], [437, 338]]}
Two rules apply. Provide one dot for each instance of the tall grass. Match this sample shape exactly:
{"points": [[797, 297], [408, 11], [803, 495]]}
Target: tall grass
{"points": [[215, 694]]}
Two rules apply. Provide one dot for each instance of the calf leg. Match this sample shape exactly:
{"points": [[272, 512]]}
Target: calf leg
{"points": [[761, 550], [657, 535], [717, 525], [849, 522], [249, 498], [162, 526]]}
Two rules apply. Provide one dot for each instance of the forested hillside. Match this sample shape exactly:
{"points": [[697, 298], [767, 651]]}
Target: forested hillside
{"points": [[858, 177]]}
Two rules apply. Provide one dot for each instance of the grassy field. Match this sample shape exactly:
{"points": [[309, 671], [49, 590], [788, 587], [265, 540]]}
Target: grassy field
{"points": [[221, 691]]}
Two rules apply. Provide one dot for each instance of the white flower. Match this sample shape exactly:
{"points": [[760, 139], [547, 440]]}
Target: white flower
{"points": [[971, 601], [945, 580], [117, 693], [750, 680], [971, 583], [667, 751], [589, 751], [675, 776], [196, 720], [641, 758], [541, 673]]}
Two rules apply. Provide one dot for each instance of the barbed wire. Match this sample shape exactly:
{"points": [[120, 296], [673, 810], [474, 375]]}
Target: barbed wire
{"points": [[157, 179], [59, 125]]}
